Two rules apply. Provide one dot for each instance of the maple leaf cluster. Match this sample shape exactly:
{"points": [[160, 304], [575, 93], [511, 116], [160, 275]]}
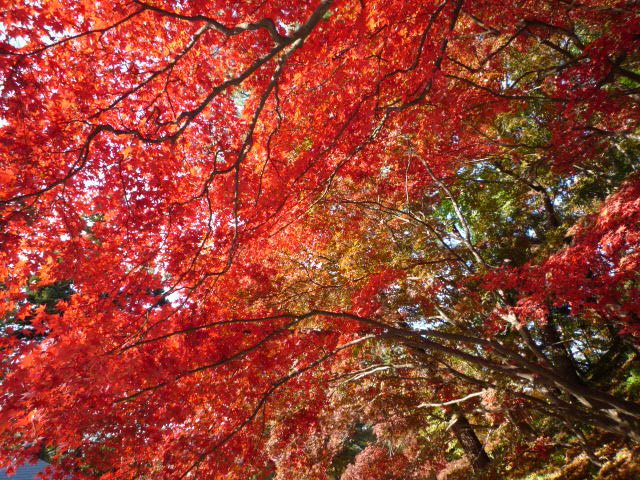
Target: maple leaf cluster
{"points": [[316, 239]]}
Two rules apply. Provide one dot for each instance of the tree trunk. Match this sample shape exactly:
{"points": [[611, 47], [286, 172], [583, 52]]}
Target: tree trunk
{"points": [[469, 442], [562, 360]]}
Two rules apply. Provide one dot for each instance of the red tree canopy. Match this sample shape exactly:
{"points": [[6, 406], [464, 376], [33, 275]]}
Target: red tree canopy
{"points": [[233, 231]]}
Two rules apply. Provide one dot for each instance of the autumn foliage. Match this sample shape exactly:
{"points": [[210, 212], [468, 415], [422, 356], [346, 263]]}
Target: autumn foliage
{"points": [[310, 239]]}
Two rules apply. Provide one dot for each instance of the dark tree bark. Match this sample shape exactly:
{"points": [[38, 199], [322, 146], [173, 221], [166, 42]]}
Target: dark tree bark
{"points": [[469, 442], [561, 358]]}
